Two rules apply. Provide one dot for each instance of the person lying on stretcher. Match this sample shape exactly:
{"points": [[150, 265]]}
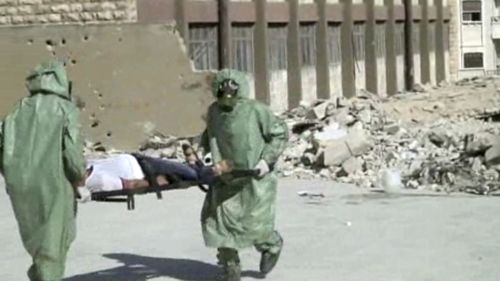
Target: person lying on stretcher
{"points": [[132, 171]]}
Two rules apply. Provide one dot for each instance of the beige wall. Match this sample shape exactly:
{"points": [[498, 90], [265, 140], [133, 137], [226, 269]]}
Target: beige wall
{"points": [[132, 78], [27, 12]]}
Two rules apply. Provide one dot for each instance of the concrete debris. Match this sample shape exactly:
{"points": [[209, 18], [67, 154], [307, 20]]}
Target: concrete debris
{"points": [[492, 155], [321, 110], [443, 138], [352, 165], [334, 153]]}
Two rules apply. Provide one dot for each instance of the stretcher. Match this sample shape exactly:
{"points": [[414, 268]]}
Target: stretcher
{"points": [[127, 195]]}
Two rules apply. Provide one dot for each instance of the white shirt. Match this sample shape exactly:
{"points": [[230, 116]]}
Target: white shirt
{"points": [[107, 174]]}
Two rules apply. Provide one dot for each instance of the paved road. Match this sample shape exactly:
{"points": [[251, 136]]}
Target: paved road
{"points": [[350, 235]]}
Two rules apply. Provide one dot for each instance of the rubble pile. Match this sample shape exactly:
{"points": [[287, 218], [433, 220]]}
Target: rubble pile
{"points": [[451, 148]]}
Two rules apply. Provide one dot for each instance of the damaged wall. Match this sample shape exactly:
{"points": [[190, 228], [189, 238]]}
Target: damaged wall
{"points": [[129, 77]]}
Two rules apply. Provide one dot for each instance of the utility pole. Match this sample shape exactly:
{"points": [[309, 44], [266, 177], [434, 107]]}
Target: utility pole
{"points": [[409, 70], [223, 32]]}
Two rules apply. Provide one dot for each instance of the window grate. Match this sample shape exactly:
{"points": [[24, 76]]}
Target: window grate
{"points": [[242, 47], [473, 60], [277, 46], [203, 46], [308, 44]]}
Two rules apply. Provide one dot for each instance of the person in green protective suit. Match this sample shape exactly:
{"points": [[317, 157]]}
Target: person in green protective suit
{"points": [[240, 213], [41, 160]]}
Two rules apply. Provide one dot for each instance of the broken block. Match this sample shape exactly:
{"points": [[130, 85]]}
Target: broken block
{"points": [[335, 153], [391, 129], [352, 165], [319, 111], [492, 155], [358, 143]]}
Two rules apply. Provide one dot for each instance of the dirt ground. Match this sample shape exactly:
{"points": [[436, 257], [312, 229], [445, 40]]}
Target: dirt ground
{"points": [[351, 234]]}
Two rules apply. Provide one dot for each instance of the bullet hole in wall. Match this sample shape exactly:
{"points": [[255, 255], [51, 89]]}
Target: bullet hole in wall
{"points": [[95, 124], [49, 44]]}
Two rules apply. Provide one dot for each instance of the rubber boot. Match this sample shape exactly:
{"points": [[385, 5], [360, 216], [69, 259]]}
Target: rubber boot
{"points": [[268, 260], [230, 262]]}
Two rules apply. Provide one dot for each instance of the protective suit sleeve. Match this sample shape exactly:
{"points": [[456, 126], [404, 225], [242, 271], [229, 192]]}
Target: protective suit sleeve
{"points": [[205, 143], [74, 162], [275, 133]]}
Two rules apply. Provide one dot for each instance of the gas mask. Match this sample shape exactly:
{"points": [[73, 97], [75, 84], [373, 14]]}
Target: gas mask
{"points": [[227, 94]]}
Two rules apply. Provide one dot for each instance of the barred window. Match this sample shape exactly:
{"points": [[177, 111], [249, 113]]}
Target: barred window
{"points": [[446, 36], [432, 36], [416, 38], [308, 44], [400, 38], [380, 40], [277, 46], [242, 47], [334, 45], [359, 41], [473, 60], [203, 46]]}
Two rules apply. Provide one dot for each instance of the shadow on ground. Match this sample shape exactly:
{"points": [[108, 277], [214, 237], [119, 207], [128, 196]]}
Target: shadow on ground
{"points": [[141, 268]]}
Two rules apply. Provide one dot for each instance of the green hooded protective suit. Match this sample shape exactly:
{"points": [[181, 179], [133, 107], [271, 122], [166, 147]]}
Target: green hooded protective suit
{"points": [[42, 155], [240, 213]]}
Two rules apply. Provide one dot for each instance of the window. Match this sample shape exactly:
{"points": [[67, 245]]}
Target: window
{"points": [[471, 10], [334, 48], [400, 39], [446, 36], [431, 39], [359, 41], [473, 60], [242, 47], [416, 38], [277, 54], [203, 46], [380, 40], [308, 44]]}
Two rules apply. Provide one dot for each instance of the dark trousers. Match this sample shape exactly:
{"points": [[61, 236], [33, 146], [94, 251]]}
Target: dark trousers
{"points": [[180, 171]]}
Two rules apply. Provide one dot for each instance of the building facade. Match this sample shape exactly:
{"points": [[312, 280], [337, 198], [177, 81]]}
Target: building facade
{"points": [[293, 51], [478, 37]]}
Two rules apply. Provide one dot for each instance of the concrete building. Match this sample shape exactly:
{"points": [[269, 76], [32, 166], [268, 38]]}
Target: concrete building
{"points": [[293, 51], [478, 37], [323, 48]]}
